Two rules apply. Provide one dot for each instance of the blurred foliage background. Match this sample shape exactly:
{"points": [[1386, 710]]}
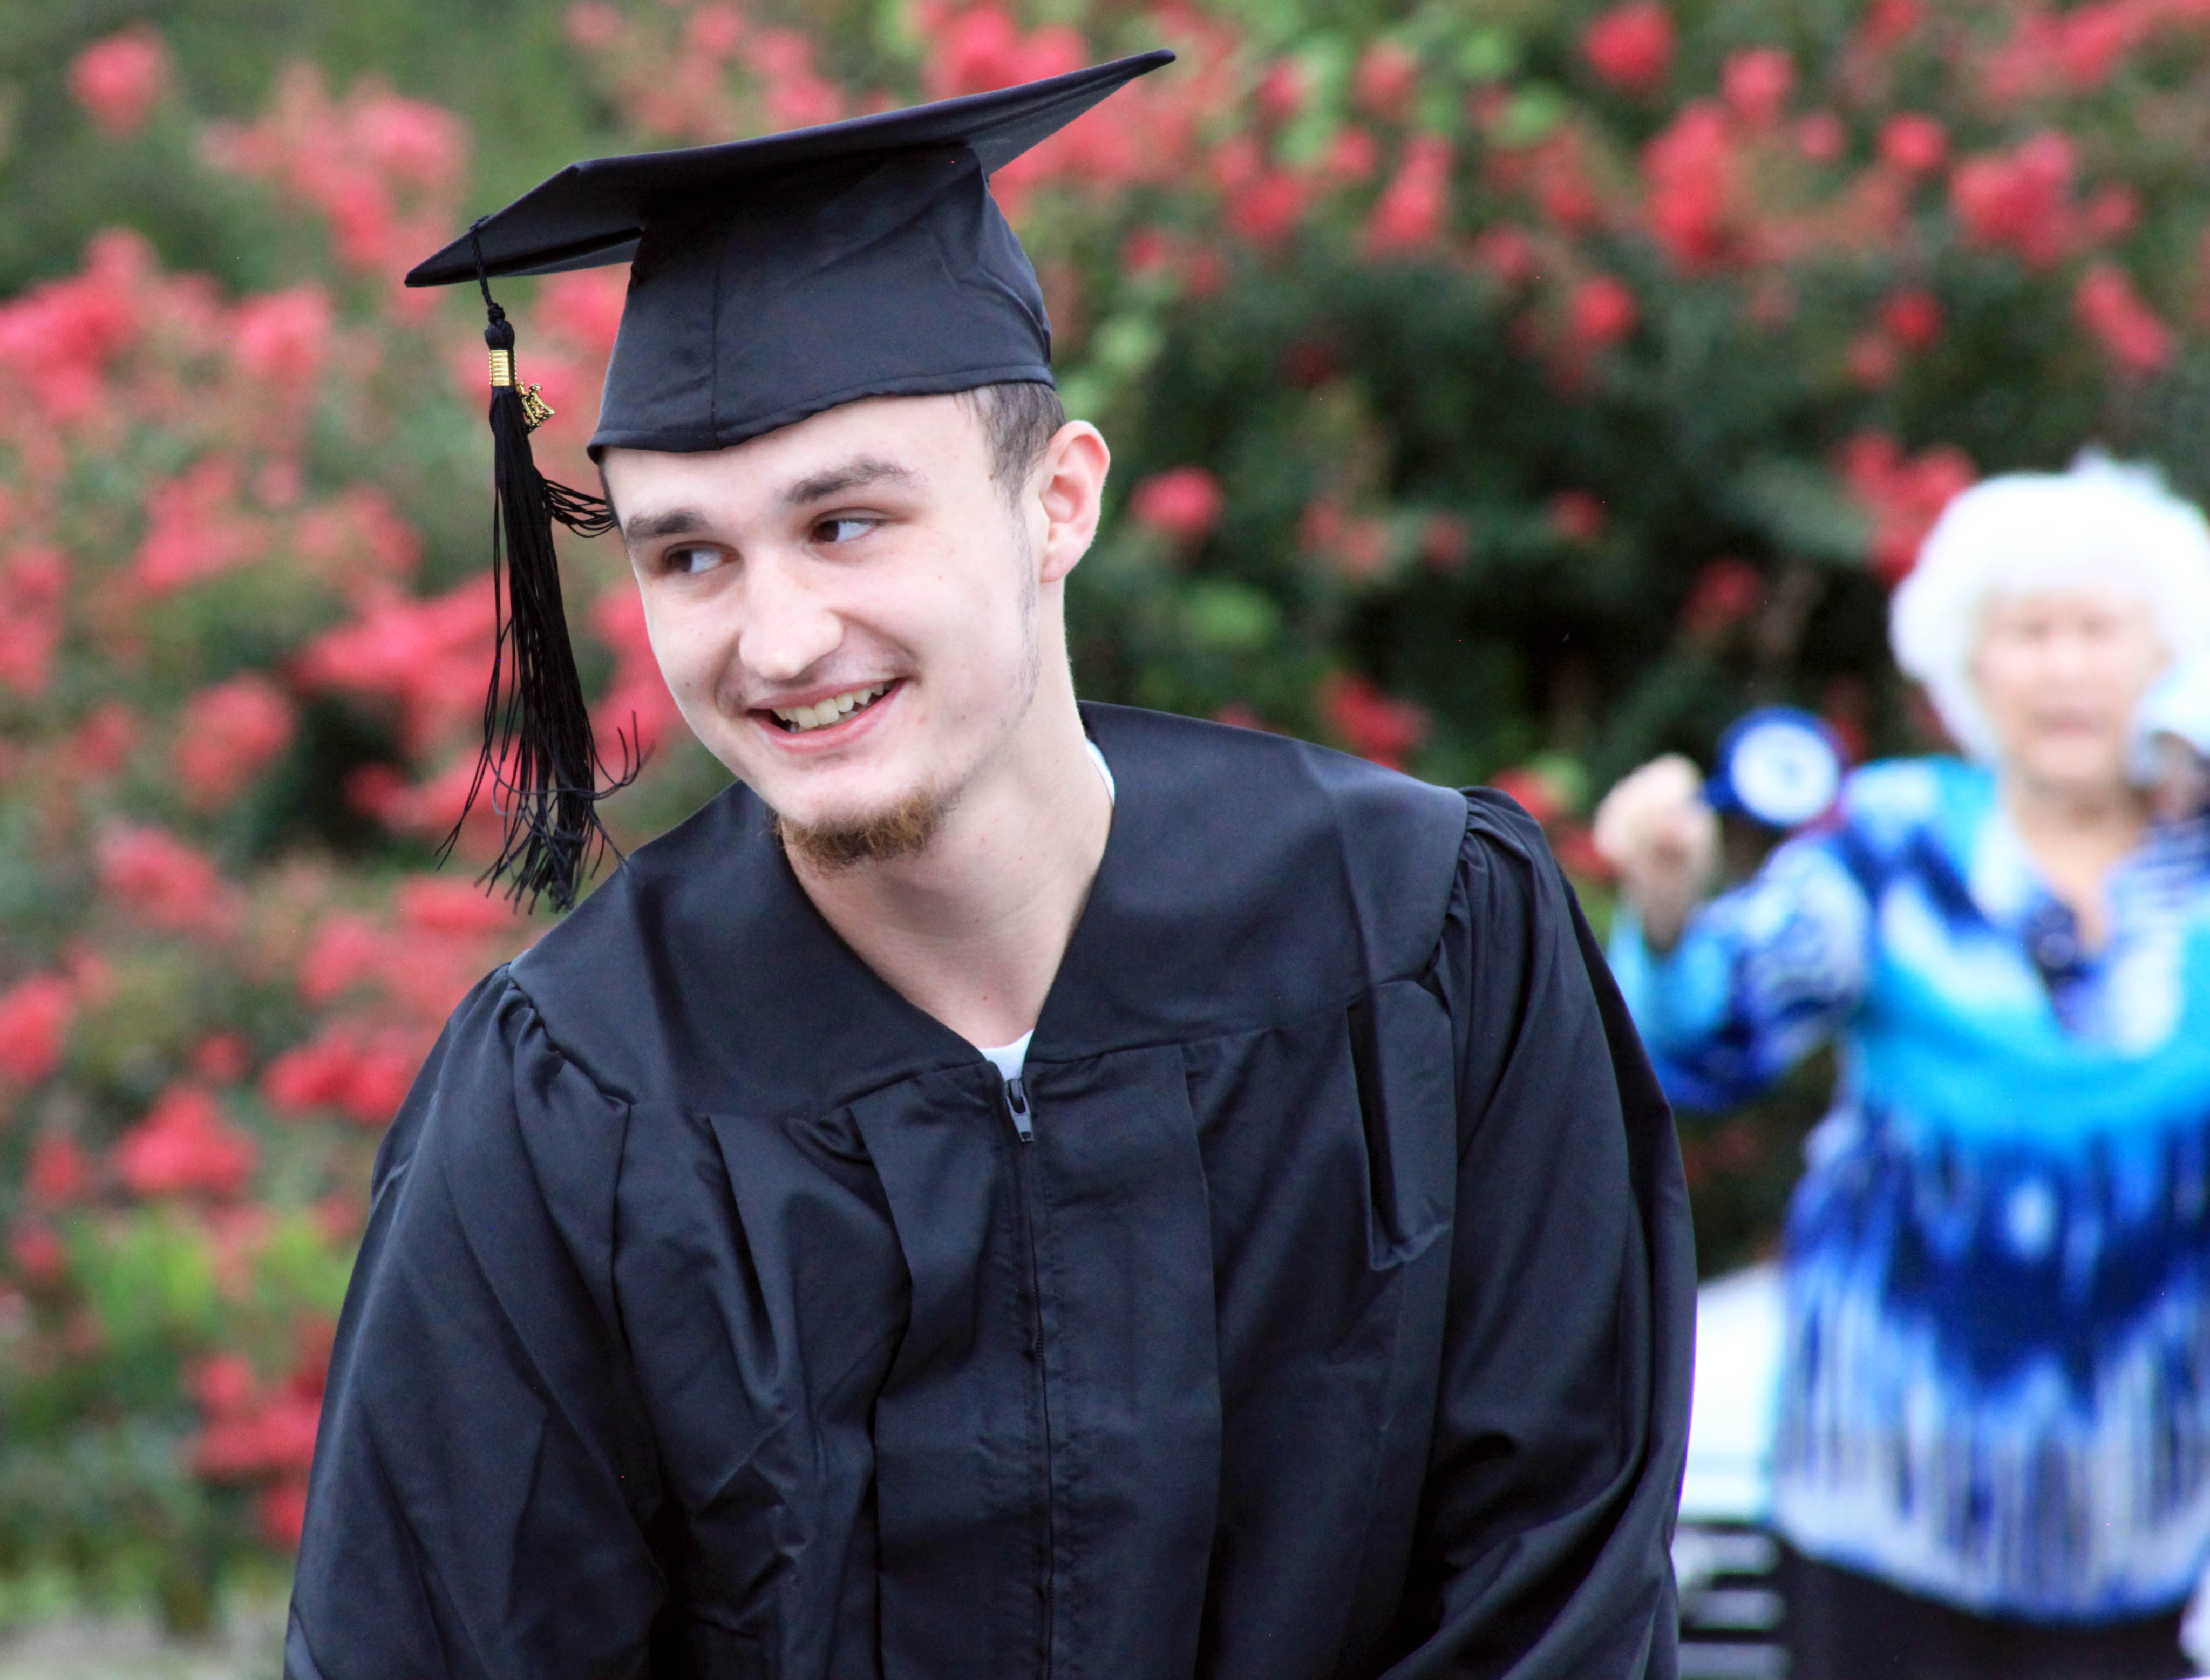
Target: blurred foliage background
{"points": [[1505, 390]]}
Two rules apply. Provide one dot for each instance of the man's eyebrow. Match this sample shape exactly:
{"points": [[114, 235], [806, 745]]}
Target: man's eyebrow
{"points": [[861, 470], [676, 521]]}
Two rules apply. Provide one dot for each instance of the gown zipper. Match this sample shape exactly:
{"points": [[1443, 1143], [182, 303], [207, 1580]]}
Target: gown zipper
{"points": [[1023, 1115]]}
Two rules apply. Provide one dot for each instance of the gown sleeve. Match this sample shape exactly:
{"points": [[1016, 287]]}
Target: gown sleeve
{"points": [[1761, 976], [1554, 1475], [482, 1495]]}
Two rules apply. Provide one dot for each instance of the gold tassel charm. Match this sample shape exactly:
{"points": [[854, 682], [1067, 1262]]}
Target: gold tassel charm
{"points": [[535, 410]]}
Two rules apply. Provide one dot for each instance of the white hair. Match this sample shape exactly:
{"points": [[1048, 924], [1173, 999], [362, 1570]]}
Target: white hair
{"points": [[2104, 526]]}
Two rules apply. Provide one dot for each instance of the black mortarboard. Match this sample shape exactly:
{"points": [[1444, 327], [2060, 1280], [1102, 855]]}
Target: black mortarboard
{"points": [[769, 279]]}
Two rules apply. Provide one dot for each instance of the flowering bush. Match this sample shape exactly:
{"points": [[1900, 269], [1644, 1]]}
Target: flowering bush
{"points": [[1500, 392]]}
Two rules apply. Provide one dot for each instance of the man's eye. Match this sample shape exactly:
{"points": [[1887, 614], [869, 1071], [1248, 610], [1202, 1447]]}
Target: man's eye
{"points": [[692, 559], [843, 529]]}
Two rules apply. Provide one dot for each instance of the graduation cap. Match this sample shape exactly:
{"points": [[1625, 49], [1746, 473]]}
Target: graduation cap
{"points": [[770, 280]]}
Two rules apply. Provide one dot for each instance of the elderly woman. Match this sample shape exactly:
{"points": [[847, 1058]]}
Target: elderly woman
{"points": [[1993, 1449]]}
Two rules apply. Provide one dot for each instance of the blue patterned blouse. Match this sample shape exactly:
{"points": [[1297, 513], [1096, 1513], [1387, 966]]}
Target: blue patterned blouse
{"points": [[1996, 1389]]}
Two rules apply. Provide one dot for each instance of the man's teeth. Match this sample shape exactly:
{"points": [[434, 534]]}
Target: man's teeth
{"points": [[835, 708]]}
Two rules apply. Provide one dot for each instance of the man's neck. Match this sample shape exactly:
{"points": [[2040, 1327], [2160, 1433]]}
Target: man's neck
{"points": [[972, 929]]}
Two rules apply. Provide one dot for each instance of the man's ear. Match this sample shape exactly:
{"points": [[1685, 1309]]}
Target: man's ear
{"points": [[1069, 487]]}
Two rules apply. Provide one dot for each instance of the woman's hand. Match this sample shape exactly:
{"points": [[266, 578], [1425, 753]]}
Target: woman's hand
{"points": [[1656, 830]]}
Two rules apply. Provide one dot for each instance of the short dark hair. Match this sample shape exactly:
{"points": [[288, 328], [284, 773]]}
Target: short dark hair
{"points": [[1018, 420]]}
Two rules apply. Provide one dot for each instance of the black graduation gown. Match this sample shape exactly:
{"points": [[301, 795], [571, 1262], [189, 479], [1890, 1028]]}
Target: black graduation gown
{"points": [[714, 1319]]}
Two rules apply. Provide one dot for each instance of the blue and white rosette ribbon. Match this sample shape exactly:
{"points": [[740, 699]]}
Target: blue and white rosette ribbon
{"points": [[1779, 766]]}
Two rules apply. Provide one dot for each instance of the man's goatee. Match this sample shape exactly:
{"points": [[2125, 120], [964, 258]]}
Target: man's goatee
{"points": [[903, 830]]}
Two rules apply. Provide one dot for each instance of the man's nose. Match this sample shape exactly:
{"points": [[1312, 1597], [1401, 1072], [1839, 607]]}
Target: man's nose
{"points": [[787, 627]]}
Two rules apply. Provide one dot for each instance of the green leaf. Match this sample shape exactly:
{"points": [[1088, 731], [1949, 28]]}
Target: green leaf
{"points": [[1229, 617], [1488, 55], [1805, 510], [1535, 112]]}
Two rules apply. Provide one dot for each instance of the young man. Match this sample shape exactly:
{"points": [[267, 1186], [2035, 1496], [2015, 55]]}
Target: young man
{"points": [[1013, 1188]]}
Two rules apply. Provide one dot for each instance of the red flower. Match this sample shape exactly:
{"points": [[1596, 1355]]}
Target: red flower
{"points": [[1387, 76], [224, 1386], [1913, 315], [1694, 173], [456, 908], [1183, 503], [1756, 83], [2115, 316], [38, 1253], [982, 48], [714, 31], [282, 1513], [593, 24], [364, 1075], [1573, 844], [1508, 253], [1411, 211], [119, 79], [1146, 252], [409, 143], [377, 167], [227, 736], [1822, 137], [158, 878], [432, 657], [2020, 201], [281, 336], [184, 1145], [358, 542], [1887, 23], [1282, 90], [221, 1059], [1445, 540], [58, 1173], [1725, 592], [34, 1022], [275, 1434], [194, 530], [1916, 144], [383, 1073], [104, 740], [33, 581], [1535, 791], [1267, 211], [1577, 516], [2092, 39], [308, 1077], [1370, 723], [1353, 156], [1600, 312], [1904, 496], [584, 308], [60, 336], [1631, 47], [1872, 360], [1556, 174], [2112, 213]]}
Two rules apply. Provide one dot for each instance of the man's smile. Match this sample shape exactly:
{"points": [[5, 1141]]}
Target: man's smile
{"points": [[833, 709]]}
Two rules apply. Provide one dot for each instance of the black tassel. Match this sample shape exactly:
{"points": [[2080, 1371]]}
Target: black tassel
{"points": [[539, 755]]}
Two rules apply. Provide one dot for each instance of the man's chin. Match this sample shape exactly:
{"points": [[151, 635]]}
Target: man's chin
{"points": [[845, 841]]}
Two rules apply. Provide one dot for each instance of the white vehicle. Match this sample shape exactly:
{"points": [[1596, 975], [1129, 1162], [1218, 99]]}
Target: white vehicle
{"points": [[1722, 1554]]}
